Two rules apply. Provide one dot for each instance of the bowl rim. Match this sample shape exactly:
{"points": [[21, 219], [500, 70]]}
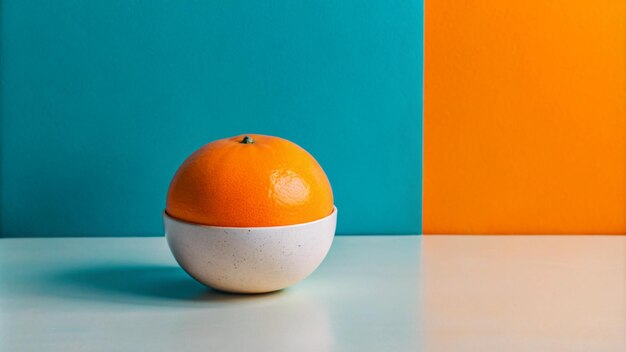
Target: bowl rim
{"points": [[173, 219]]}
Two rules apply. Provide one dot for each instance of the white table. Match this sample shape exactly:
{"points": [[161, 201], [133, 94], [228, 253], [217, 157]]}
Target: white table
{"points": [[373, 293]]}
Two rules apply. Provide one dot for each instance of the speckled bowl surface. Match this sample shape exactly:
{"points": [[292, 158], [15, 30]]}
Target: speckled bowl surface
{"points": [[250, 260]]}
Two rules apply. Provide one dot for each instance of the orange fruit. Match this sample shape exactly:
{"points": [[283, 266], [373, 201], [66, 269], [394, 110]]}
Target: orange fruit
{"points": [[250, 181]]}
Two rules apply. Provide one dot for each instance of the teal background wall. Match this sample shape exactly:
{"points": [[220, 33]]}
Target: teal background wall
{"points": [[102, 100]]}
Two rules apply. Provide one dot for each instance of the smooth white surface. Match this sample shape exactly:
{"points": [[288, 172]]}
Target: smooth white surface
{"points": [[250, 260], [388, 293], [128, 294], [524, 293]]}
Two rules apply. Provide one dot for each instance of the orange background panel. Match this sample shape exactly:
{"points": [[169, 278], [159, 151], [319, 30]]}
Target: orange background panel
{"points": [[525, 117]]}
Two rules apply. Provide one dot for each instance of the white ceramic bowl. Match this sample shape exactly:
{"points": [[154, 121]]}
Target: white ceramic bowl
{"points": [[251, 259]]}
